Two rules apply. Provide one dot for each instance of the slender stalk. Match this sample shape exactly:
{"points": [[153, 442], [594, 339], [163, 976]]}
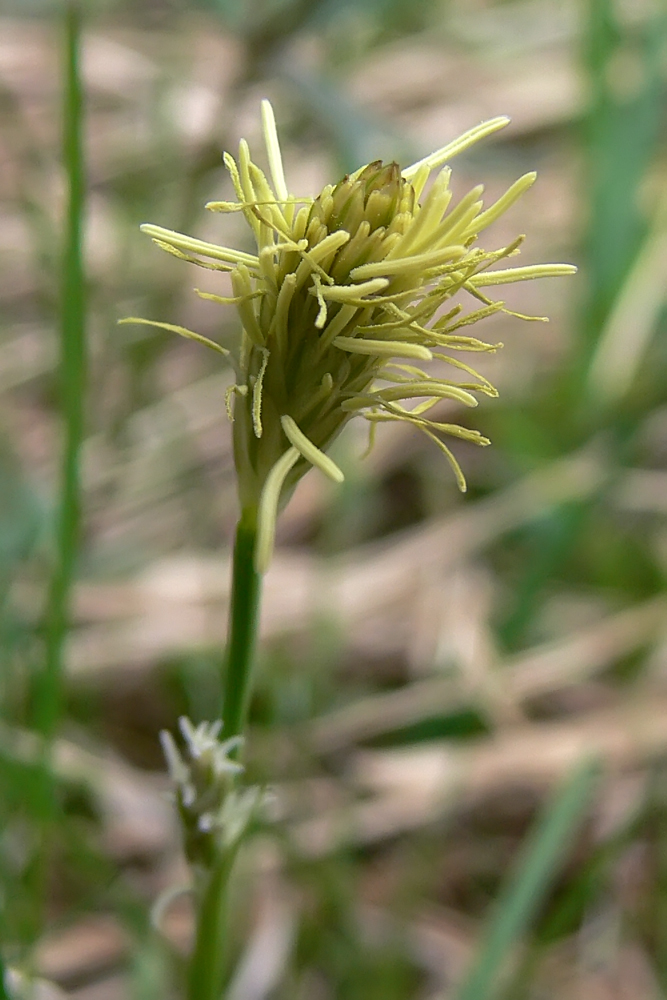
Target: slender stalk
{"points": [[71, 388], [243, 622], [71, 385], [207, 965], [4, 995]]}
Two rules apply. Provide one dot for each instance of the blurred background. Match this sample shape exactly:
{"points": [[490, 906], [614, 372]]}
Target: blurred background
{"points": [[433, 666]]}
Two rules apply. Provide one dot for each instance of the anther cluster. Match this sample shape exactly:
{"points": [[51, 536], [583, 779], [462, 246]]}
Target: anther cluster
{"points": [[346, 298]]}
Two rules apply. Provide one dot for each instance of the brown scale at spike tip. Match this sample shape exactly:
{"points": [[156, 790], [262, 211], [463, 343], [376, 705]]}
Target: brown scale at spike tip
{"points": [[373, 196]]}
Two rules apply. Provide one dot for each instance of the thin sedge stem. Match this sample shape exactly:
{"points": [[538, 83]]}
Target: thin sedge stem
{"points": [[207, 966], [71, 391], [4, 995], [72, 377], [243, 623]]}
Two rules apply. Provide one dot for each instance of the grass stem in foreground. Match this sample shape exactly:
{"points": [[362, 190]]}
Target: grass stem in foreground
{"points": [[71, 386], [521, 897], [207, 964], [48, 698]]}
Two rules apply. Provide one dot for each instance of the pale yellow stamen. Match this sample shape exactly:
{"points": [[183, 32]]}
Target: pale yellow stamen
{"points": [[413, 263], [228, 300], [463, 142], [243, 288], [233, 170], [456, 468], [511, 274], [419, 179], [208, 265], [455, 224], [310, 452], [281, 314], [239, 390], [239, 206], [412, 390], [267, 510], [354, 293], [470, 318], [390, 348], [321, 317], [454, 430], [212, 250], [345, 315], [504, 202], [455, 363], [266, 207], [329, 245], [182, 331], [273, 151], [249, 193], [428, 218], [257, 397]]}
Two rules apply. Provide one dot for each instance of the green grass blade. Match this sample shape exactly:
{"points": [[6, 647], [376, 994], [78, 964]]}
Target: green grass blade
{"points": [[72, 384], [520, 899], [4, 995], [620, 134], [622, 131], [39, 791]]}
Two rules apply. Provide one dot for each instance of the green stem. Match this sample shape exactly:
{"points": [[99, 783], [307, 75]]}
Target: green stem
{"points": [[243, 623], [4, 995], [207, 965], [48, 697], [71, 388]]}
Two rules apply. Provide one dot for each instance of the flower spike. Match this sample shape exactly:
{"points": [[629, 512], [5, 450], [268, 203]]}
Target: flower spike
{"points": [[341, 284]]}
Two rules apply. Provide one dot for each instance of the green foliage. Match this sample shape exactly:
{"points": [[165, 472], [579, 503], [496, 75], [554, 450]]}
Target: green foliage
{"points": [[527, 886]]}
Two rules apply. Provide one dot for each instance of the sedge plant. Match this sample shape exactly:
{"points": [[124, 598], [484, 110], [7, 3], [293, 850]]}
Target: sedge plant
{"points": [[346, 310]]}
